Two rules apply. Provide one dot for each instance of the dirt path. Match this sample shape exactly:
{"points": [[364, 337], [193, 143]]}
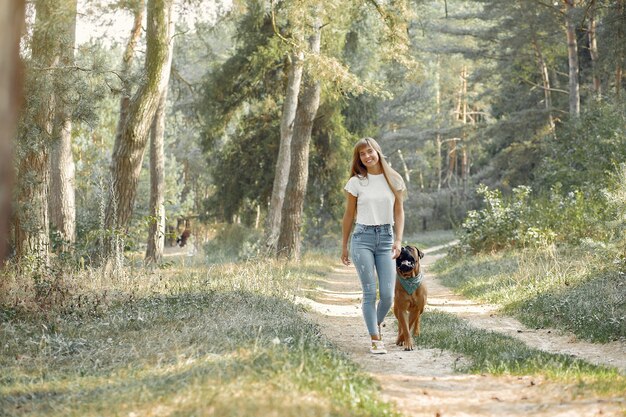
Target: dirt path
{"points": [[423, 382]]}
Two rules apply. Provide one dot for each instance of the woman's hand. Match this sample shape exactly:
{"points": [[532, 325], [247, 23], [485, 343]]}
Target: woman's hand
{"points": [[396, 249], [344, 257]]}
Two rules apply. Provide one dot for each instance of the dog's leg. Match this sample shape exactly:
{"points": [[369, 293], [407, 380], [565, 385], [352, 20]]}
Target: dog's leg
{"points": [[414, 322], [407, 340], [416, 314], [399, 316]]}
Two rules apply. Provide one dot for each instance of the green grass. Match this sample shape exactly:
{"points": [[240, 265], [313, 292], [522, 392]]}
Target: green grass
{"points": [[577, 290], [490, 352], [429, 239], [223, 340]]}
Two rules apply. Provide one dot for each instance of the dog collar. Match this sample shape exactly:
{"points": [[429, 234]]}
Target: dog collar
{"points": [[410, 285]]}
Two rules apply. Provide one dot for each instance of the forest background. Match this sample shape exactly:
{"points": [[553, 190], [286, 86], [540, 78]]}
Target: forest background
{"points": [[126, 124], [513, 109]]}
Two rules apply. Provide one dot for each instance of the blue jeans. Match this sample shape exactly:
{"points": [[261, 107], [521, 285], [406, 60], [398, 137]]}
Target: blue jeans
{"points": [[371, 249]]}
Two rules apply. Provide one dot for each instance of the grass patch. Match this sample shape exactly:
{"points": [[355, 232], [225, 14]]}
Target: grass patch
{"points": [[207, 340], [429, 239], [491, 352], [572, 289]]}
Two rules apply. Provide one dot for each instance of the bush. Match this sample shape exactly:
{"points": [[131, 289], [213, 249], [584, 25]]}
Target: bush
{"points": [[585, 150], [502, 223], [234, 241], [524, 220]]}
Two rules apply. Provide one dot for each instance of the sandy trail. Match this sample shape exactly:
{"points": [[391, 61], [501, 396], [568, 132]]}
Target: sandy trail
{"points": [[423, 382]]}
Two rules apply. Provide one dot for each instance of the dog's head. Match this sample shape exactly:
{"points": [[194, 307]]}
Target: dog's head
{"points": [[408, 263]]}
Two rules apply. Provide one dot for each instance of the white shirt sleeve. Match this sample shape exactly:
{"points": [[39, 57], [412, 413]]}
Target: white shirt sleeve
{"points": [[351, 186]]}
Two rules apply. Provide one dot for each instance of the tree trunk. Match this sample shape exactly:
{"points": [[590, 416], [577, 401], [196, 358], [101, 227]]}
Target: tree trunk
{"points": [[593, 51], [130, 148], [619, 66], [545, 78], [127, 61], [283, 162], [405, 168], [289, 238], [62, 169], [156, 231], [465, 145], [572, 53], [438, 124], [11, 25], [32, 239]]}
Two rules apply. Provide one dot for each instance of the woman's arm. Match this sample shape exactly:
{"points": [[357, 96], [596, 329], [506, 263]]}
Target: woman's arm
{"points": [[398, 218], [346, 226]]}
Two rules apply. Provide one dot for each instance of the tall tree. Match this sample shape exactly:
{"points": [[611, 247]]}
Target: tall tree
{"points": [[130, 147], [138, 8], [156, 228], [620, 18], [281, 175], [572, 53], [11, 25], [31, 221], [308, 103], [62, 168], [156, 231]]}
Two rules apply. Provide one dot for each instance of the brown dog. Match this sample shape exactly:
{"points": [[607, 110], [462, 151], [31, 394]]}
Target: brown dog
{"points": [[410, 295]]}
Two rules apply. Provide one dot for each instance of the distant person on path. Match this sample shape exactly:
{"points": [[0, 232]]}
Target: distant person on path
{"points": [[374, 198]]}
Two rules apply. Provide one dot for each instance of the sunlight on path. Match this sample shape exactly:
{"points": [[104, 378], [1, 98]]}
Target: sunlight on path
{"points": [[423, 382]]}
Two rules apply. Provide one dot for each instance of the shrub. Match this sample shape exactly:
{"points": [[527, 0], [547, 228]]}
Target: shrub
{"points": [[234, 241], [502, 222]]}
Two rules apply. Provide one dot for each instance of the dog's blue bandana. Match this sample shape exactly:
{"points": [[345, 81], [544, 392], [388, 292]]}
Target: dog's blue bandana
{"points": [[410, 285]]}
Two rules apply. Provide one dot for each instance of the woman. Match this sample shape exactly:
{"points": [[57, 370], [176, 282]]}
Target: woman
{"points": [[374, 198]]}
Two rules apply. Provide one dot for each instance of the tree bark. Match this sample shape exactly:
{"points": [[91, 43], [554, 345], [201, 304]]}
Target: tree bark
{"points": [[572, 53], [11, 25], [281, 175], [545, 79], [130, 148], [438, 124], [619, 66], [593, 52], [127, 61], [62, 168], [465, 144], [32, 239], [289, 239], [405, 168], [156, 231]]}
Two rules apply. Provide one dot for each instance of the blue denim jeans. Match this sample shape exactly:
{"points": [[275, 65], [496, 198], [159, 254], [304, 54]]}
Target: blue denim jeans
{"points": [[370, 248]]}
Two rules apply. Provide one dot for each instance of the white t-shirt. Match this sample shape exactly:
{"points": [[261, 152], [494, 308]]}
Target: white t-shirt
{"points": [[375, 199]]}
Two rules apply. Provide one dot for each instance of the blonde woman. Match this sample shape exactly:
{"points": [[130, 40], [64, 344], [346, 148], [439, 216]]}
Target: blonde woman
{"points": [[374, 199]]}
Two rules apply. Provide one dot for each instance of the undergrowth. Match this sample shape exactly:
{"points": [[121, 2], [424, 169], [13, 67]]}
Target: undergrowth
{"points": [[204, 340], [575, 289]]}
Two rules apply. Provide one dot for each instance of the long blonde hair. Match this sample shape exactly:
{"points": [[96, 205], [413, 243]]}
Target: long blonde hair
{"points": [[395, 180]]}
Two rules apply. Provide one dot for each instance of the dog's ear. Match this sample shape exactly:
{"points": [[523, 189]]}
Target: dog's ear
{"points": [[419, 252]]}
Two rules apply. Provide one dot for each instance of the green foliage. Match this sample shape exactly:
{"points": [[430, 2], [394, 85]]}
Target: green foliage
{"points": [[615, 195], [243, 169], [233, 242], [501, 223], [586, 150], [330, 154], [251, 74], [522, 220]]}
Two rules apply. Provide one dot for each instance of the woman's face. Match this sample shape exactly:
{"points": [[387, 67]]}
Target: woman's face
{"points": [[369, 157]]}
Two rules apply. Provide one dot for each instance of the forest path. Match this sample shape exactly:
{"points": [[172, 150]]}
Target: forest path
{"points": [[423, 382]]}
